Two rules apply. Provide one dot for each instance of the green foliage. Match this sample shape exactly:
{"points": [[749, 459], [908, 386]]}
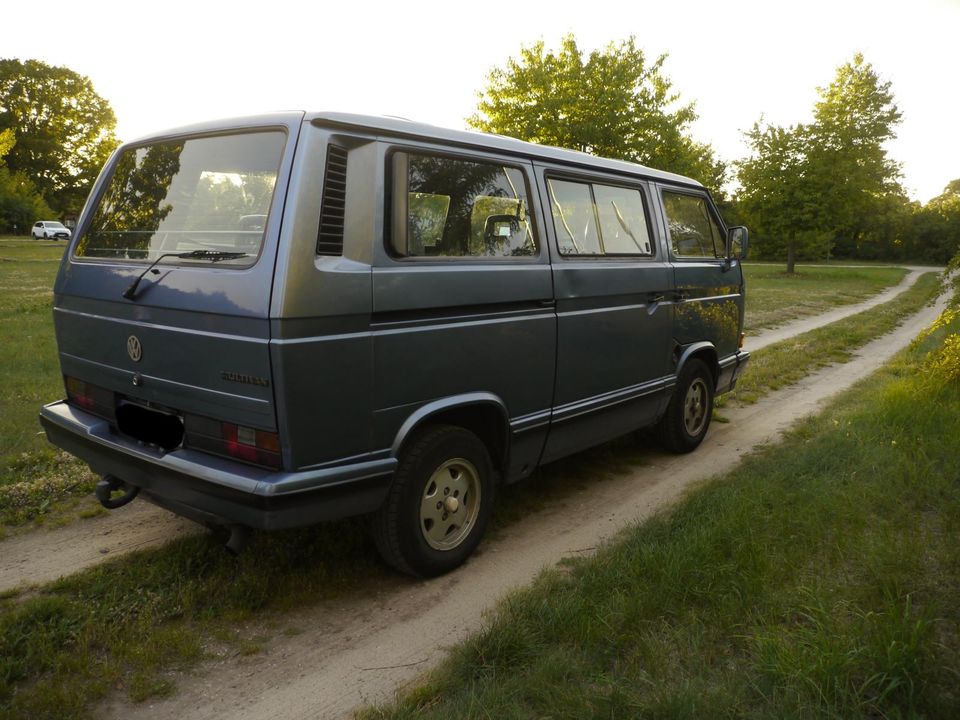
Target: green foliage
{"points": [[853, 121], [942, 365], [612, 103], [829, 186], [933, 232], [7, 140], [64, 129], [783, 182], [20, 202]]}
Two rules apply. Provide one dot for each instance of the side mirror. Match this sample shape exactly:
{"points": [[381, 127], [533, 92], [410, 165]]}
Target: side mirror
{"points": [[737, 243]]}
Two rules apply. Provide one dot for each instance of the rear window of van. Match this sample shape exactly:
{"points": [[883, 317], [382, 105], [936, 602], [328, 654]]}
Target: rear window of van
{"points": [[205, 193]]}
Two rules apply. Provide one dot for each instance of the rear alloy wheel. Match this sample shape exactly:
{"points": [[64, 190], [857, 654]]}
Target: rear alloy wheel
{"points": [[685, 423], [439, 504]]}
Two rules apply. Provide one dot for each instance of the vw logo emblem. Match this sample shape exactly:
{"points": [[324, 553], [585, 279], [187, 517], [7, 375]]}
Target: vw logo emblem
{"points": [[134, 349]]}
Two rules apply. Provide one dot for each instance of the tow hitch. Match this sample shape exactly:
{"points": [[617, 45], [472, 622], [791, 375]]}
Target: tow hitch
{"points": [[108, 485]]}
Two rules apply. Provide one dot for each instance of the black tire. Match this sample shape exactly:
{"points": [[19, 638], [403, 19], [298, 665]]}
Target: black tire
{"points": [[45, 237], [687, 419], [411, 534]]}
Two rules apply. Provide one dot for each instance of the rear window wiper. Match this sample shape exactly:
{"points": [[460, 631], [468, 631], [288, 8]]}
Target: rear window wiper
{"points": [[208, 255]]}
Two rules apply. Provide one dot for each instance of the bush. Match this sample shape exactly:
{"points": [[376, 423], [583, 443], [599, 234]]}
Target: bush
{"points": [[20, 203]]}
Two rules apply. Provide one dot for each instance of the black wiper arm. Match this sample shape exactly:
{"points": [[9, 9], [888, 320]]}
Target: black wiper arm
{"points": [[211, 255]]}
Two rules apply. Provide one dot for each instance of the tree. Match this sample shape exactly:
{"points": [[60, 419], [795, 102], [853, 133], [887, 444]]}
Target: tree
{"points": [[933, 231], [854, 118], [20, 203], [611, 103], [828, 185], [64, 130], [781, 197]]}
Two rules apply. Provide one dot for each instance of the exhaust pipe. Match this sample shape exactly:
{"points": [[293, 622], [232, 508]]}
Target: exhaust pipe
{"points": [[108, 485], [239, 535]]}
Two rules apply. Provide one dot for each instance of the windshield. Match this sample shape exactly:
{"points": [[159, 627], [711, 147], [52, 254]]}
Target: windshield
{"points": [[209, 193], [55, 225]]}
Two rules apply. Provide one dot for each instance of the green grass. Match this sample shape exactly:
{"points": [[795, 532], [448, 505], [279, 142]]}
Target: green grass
{"points": [[36, 481], [774, 297], [790, 360], [818, 579], [28, 352], [130, 623]]}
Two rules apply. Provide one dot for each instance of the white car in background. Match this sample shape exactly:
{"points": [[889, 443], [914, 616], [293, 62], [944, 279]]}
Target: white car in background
{"points": [[50, 230]]}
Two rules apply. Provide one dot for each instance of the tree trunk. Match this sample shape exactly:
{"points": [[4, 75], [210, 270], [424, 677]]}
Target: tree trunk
{"points": [[791, 254]]}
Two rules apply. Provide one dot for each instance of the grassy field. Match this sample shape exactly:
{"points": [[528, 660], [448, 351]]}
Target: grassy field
{"points": [[774, 297], [27, 350], [35, 479], [819, 579], [788, 361]]}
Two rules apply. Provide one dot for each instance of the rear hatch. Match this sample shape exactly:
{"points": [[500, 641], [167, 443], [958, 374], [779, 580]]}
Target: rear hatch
{"points": [[162, 302]]}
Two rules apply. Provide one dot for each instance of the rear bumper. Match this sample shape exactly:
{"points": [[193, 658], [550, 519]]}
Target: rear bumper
{"points": [[210, 489], [731, 369]]}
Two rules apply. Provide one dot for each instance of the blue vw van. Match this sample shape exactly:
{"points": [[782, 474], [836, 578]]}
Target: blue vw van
{"points": [[280, 320]]}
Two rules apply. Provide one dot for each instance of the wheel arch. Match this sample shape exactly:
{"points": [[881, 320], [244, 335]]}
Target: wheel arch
{"points": [[484, 414], [705, 351]]}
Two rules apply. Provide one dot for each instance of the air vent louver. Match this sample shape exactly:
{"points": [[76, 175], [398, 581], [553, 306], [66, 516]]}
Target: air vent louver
{"points": [[330, 237]]}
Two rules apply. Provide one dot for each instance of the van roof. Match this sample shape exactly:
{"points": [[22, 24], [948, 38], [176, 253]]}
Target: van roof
{"points": [[407, 128], [399, 127]]}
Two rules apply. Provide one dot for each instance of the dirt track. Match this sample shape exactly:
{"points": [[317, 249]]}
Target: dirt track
{"points": [[359, 648]]}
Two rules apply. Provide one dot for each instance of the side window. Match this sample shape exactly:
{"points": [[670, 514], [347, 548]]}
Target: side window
{"points": [[623, 223], [693, 231], [446, 207], [593, 219], [573, 218]]}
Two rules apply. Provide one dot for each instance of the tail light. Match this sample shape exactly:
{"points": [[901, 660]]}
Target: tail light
{"points": [[93, 399], [258, 447]]}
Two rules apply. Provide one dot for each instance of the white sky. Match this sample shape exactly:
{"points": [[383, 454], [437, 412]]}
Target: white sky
{"points": [[163, 64]]}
